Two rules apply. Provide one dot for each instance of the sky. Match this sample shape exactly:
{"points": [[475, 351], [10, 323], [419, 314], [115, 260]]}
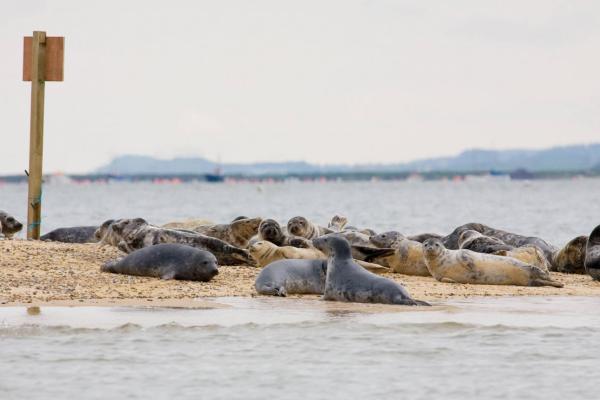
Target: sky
{"points": [[345, 82]]}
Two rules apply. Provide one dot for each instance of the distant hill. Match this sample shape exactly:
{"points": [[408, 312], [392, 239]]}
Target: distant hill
{"points": [[567, 158]]}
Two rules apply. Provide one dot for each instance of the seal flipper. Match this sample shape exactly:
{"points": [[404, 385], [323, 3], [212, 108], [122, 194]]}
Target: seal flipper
{"points": [[371, 253], [109, 265], [411, 302], [546, 282]]}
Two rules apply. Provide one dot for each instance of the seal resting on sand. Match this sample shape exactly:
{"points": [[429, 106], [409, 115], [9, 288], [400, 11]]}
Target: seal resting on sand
{"points": [[284, 277], [571, 258], [475, 241], [302, 227], [9, 225], [466, 266], [407, 258], [265, 253], [237, 233], [529, 255], [347, 281], [592, 254], [75, 234], [386, 239], [132, 234], [167, 261], [271, 231]]}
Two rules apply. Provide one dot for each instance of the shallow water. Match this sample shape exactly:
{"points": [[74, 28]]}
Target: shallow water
{"points": [[530, 348]]}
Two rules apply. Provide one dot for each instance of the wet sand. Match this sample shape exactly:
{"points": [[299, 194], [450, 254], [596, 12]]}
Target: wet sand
{"points": [[47, 273]]}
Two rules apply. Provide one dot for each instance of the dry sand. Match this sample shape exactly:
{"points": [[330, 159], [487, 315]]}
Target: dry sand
{"points": [[69, 274]]}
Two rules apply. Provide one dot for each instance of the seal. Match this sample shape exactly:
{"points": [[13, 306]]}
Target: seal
{"points": [[592, 254], [302, 227], [337, 223], [356, 238], [386, 239], [265, 253], [75, 234], [529, 255], [571, 258], [237, 233], [475, 241], [132, 234], [407, 259], [271, 231], [9, 225], [167, 261], [348, 281], [466, 266], [284, 277]]}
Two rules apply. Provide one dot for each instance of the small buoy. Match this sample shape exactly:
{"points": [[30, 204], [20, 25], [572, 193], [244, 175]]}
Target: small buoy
{"points": [[33, 310]]}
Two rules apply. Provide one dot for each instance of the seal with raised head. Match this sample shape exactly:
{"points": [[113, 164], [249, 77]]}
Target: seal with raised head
{"points": [[167, 261], [237, 233], [592, 254], [284, 277], [337, 223], [132, 234], [348, 281], [302, 227], [386, 239], [74, 234], [466, 266], [271, 231], [9, 225], [475, 241]]}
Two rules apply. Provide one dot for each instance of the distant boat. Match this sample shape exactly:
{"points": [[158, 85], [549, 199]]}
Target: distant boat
{"points": [[216, 176]]}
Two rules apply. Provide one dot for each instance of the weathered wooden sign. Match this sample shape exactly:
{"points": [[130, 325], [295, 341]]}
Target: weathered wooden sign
{"points": [[54, 58]]}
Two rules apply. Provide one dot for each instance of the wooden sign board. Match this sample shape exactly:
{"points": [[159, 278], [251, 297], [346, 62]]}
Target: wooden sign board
{"points": [[54, 58]]}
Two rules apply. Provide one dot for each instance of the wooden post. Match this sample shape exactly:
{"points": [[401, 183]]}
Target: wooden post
{"points": [[43, 60], [36, 135]]}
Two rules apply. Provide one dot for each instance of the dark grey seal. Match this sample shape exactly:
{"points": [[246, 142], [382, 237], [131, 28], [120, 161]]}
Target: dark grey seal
{"points": [[348, 281], [75, 234], [424, 236], [9, 225], [132, 234], [477, 242], [167, 261], [592, 254], [271, 231], [284, 277]]}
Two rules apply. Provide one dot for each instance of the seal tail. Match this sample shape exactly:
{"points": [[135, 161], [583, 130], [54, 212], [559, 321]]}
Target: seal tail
{"points": [[371, 253]]}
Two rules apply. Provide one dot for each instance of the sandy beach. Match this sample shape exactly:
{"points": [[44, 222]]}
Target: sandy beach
{"points": [[47, 273]]}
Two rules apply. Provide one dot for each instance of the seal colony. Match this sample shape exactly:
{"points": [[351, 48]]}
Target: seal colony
{"points": [[337, 260]]}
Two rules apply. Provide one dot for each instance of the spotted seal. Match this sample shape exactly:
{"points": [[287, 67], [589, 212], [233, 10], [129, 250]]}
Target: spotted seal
{"points": [[571, 258], [271, 231], [337, 223], [237, 233], [347, 281], [74, 234], [302, 227], [167, 261], [529, 255], [592, 254], [265, 252], [466, 266], [9, 225], [386, 239], [132, 234], [284, 277], [406, 259]]}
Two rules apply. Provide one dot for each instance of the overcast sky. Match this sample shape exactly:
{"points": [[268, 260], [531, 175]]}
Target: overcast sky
{"points": [[322, 81]]}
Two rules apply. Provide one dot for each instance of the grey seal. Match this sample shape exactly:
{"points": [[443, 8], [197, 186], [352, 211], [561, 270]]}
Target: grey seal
{"points": [[9, 225], [75, 234], [571, 258], [271, 231], [237, 233], [386, 239], [592, 254], [347, 281], [284, 277], [475, 241], [466, 266], [302, 227], [132, 234], [167, 261]]}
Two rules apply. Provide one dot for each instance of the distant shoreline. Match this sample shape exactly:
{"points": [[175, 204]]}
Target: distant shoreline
{"points": [[319, 177]]}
